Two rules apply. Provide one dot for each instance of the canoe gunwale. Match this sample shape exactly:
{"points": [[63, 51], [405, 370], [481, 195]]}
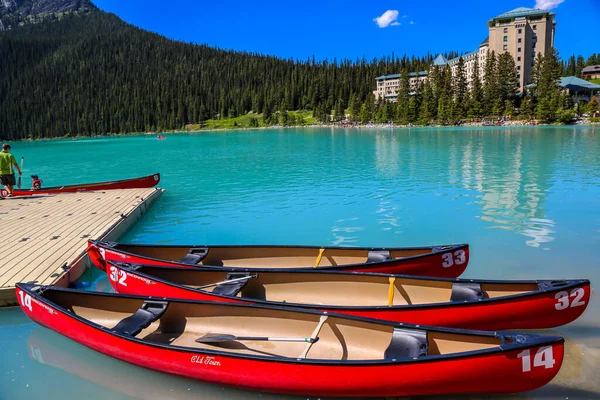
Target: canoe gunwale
{"points": [[106, 185], [532, 340], [436, 249], [571, 283]]}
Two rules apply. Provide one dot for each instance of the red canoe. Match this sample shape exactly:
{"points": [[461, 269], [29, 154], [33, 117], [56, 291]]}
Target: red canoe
{"points": [[134, 183], [452, 303], [437, 261], [284, 350]]}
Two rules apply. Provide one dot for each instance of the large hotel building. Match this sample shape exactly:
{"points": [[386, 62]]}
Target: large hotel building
{"points": [[522, 32]]}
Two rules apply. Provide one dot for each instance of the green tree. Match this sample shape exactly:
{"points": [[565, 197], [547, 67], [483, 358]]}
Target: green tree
{"points": [[507, 81], [476, 98], [460, 91], [490, 86], [548, 92]]}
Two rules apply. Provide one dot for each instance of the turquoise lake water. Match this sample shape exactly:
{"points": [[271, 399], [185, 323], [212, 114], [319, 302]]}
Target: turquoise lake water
{"points": [[527, 200]]}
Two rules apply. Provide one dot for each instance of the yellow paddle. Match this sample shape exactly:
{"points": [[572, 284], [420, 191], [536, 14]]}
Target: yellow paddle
{"points": [[321, 251]]}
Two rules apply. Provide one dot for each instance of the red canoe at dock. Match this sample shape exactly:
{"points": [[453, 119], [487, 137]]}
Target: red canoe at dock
{"points": [[452, 303], [436, 261], [134, 183], [283, 350]]}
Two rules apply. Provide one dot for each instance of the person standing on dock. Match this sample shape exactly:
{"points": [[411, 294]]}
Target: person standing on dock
{"points": [[7, 175]]}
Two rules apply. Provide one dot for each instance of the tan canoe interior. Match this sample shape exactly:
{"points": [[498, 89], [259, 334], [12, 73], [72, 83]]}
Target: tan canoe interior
{"points": [[268, 257], [335, 289], [182, 324]]}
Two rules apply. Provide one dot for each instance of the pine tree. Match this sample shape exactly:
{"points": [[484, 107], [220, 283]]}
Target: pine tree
{"points": [[548, 92], [476, 99], [508, 83], [490, 86], [460, 91]]}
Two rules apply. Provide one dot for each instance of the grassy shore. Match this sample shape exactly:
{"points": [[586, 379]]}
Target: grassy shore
{"points": [[296, 118]]}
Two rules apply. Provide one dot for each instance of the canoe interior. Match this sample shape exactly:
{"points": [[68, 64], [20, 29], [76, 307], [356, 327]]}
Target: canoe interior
{"points": [[335, 289], [183, 323], [269, 257]]}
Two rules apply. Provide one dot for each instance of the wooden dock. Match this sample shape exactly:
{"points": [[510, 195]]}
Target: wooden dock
{"points": [[43, 239]]}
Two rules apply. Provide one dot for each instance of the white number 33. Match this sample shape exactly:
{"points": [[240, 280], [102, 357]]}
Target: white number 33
{"points": [[458, 259]]}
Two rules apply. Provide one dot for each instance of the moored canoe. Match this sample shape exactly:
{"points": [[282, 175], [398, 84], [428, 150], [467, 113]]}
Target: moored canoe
{"points": [[448, 261], [455, 303], [284, 350], [133, 183]]}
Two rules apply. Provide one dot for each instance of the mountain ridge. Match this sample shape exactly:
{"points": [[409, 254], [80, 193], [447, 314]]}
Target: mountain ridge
{"points": [[19, 12]]}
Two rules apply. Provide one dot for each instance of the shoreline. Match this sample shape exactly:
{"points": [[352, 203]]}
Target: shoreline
{"points": [[391, 125]]}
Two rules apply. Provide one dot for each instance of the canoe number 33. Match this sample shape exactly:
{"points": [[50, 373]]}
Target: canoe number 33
{"points": [[457, 258], [543, 358], [118, 276], [564, 300]]}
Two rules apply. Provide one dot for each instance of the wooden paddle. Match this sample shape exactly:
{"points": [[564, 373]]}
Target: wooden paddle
{"points": [[220, 337], [19, 181]]}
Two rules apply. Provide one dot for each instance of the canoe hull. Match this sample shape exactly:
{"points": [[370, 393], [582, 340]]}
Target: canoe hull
{"points": [[468, 374], [434, 265], [541, 310], [134, 183]]}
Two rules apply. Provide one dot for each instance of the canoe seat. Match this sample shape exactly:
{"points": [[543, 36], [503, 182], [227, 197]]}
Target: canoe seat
{"points": [[378, 256], [466, 291], [149, 312], [232, 288], [194, 255], [407, 343]]}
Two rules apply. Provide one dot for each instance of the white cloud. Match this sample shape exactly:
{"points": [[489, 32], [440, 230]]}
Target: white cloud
{"points": [[405, 16], [395, 23], [386, 18], [547, 4], [412, 22]]}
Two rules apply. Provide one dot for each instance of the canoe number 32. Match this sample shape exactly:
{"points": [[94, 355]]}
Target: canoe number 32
{"points": [[563, 299], [543, 358], [457, 258], [118, 276]]}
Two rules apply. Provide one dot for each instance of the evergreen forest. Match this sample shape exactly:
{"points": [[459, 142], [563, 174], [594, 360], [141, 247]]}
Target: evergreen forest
{"points": [[93, 74]]}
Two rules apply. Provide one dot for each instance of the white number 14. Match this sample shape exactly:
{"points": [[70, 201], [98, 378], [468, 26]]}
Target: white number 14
{"points": [[543, 357]]}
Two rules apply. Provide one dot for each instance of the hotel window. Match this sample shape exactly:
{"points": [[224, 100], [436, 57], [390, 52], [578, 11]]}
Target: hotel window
{"points": [[518, 67], [519, 58], [520, 31], [505, 47], [506, 38], [519, 50], [520, 40], [505, 30], [535, 27], [519, 76]]}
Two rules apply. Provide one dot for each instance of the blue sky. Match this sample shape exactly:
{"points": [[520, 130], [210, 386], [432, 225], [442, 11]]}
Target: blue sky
{"points": [[347, 28]]}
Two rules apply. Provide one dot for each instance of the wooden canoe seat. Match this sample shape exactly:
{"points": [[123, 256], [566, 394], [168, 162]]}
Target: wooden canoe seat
{"points": [[232, 288], [466, 291], [407, 343], [149, 312], [194, 255], [378, 256]]}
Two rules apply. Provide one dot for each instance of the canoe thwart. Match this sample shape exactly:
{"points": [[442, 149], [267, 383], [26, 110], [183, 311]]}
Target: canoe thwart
{"points": [[149, 312], [407, 343], [466, 291], [314, 334]]}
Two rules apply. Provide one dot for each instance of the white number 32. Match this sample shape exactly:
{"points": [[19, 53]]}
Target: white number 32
{"points": [[117, 276], [563, 299]]}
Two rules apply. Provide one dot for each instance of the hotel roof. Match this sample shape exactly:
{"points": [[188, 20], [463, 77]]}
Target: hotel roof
{"points": [[397, 76], [522, 12], [591, 68], [573, 82]]}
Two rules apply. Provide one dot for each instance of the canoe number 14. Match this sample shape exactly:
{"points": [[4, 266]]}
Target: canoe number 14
{"points": [[118, 276], [564, 300], [457, 258], [543, 358], [25, 300]]}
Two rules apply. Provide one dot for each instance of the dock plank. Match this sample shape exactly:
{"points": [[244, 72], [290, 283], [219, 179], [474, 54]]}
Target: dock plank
{"points": [[57, 229]]}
